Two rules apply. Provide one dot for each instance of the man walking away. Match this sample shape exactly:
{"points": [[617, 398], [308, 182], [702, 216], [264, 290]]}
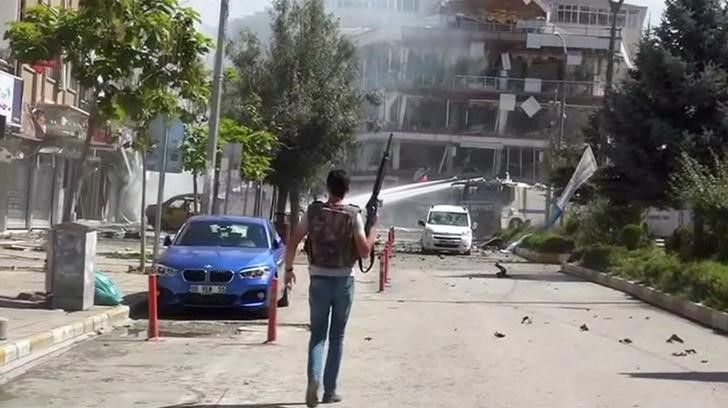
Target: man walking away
{"points": [[336, 240]]}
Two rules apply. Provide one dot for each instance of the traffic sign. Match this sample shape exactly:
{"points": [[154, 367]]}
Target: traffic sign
{"points": [[157, 129]]}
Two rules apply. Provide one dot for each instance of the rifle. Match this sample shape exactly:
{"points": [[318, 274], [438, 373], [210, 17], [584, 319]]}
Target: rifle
{"points": [[373, 204]]}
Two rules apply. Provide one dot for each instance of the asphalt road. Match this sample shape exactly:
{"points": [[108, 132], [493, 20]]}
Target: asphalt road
{"points": [[446, 334]]}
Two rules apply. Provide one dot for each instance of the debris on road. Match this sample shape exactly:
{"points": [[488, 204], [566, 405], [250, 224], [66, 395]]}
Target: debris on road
{"points": [[502, 271], [367, 338], [680, 354], [675, 339], [499, 335], [704, 361], [584, 327], [526, 320], [691, 351], [442, 256], [626, 340]]}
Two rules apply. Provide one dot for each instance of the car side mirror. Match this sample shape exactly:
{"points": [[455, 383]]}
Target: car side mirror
{"points": [[421, 223], [167, 241], [475, 226]]}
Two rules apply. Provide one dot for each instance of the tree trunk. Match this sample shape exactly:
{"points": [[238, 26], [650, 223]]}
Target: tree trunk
{"points": [[195, 189], [143, 217], [74, 189], [282, 199], [295, 197]]}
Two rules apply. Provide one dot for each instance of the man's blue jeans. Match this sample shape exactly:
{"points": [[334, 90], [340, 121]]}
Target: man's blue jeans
{"points": [[328, 296]]}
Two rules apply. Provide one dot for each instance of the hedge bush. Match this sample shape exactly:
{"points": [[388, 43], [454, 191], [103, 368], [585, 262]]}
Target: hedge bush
{"points": [[631, 237], [548, 243], [704, 282]]}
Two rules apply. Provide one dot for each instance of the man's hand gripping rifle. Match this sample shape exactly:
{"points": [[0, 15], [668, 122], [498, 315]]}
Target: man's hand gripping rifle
{"points": [[373, 204]]}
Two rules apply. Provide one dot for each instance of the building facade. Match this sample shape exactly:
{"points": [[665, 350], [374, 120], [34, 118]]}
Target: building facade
{"points": [[41, 138], [480, 87]]}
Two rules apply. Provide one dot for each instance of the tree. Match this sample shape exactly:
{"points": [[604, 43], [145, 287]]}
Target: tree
{"points": [[136, 58], [673, 101], [704, 187], [304, 90]]}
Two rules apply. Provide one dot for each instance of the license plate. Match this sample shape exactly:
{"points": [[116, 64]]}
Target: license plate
{"points": [[207, 289]]}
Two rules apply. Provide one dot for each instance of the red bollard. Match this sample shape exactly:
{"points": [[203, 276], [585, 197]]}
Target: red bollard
{"points": [[153, 329], [382, 271], [272, 310], [387, 255]]}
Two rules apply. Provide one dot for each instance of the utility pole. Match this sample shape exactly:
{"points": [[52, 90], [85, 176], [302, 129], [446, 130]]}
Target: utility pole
{"points": [[211, 162], [562, 123], [615, 6]]}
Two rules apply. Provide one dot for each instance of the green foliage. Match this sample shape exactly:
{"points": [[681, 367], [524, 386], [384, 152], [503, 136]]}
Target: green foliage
{"points": [[138, 58], [705, 281], [681, 243], [600, 222], [674, 101], [704, 187], [258, 148], [572, 225], [599, 257], [549, 243], [631, 236], [302, 89]]}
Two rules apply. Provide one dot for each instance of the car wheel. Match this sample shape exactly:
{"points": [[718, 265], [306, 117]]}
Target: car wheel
{"points": [[284, 301]]}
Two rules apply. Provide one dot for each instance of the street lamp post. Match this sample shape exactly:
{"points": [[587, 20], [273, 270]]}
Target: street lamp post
{"points": [[211, 182], [615, 6]]}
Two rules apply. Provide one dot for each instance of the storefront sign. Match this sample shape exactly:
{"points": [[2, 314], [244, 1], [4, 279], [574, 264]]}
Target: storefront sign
{"points": [[11, 98]]}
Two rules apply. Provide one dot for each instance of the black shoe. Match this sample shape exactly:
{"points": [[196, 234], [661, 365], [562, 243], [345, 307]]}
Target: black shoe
{"points": [[331, 398], [312, 394]]}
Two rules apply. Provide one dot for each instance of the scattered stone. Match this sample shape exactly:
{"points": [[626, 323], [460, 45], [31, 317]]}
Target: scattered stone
{"points": [[367, 338], [630, 317], [704, 361], [647, 317], [584, 327], [626, 340], [526, 320], [691, 351], [680, 354], [400, 301], [674, 339], [442, 256], [499, 335]]}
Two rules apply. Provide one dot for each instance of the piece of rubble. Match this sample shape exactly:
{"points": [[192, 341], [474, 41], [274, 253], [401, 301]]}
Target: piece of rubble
{"points": [[704, 361], [367, 338], [584, 327], [526, 320], [679, 354], [691, 351], [499, 335], [675, 339], [626, 340]]}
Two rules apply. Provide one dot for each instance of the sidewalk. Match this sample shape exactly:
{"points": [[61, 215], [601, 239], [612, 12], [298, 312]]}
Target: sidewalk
{"points": [[34, 329]]}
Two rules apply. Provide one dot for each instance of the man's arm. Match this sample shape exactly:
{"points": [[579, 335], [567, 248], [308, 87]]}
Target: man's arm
{"points": [[292, 247], [364, 243]]}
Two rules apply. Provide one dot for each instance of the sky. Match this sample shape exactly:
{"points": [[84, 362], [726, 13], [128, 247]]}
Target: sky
{"points": [[210, 9]]}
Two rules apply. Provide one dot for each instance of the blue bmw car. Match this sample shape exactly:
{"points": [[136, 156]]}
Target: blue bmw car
{"points": [[222, 261]]}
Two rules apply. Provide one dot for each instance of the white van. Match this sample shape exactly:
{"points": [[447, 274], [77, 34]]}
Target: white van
{"points": [[448, 228]]}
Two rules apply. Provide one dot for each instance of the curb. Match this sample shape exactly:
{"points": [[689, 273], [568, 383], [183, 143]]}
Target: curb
{"points": [[696, 312], [539, 257], [37, 343]]}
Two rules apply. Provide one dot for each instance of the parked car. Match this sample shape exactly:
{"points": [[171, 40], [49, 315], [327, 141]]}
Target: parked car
{"points": [[222, 261], [448, 229], [175, 211]]}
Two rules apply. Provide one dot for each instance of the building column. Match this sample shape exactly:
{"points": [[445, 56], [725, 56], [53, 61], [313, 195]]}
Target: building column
{"points": [[4, 184], [447, 114], [396, 148], [449, 158], [59, 170], [30, 196]]}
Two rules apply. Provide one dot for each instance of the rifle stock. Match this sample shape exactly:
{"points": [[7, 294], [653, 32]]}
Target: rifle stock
{"points": [[372, 206]]}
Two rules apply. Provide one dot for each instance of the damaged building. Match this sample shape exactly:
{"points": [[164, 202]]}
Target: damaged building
{"points": [[480, 87]]}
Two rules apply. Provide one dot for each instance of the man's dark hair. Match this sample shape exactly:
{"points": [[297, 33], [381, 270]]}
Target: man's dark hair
{"points": [[338, 183]]}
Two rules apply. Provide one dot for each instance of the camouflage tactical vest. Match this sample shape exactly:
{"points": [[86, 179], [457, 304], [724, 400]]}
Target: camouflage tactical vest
{"points": [[330, 242]]}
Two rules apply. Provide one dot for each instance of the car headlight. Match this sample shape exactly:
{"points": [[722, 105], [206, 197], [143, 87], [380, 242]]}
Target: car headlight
{"points": [[256, 272], [163, 270]]}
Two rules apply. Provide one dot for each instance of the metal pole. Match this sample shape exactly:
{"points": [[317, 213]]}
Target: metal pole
{"points": [[228, 186], [160, 194], [215, 109], [143, 219], [615, 6], [562, 122]]}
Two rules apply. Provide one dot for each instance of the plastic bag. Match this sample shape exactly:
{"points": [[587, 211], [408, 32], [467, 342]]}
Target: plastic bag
{"points": [[106, 293]]}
